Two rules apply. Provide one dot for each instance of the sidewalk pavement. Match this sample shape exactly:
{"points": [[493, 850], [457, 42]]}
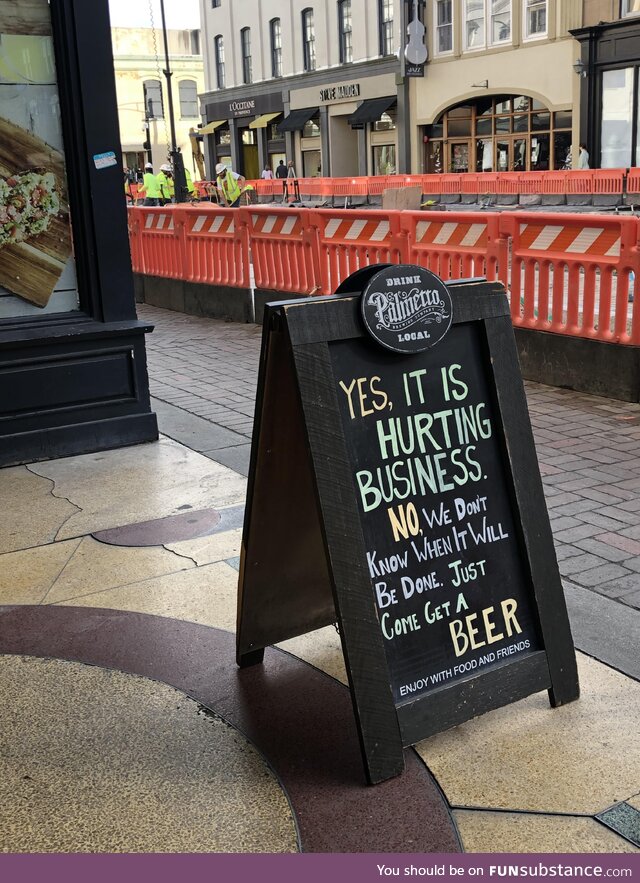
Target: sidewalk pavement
{"points": [[127, 726]]}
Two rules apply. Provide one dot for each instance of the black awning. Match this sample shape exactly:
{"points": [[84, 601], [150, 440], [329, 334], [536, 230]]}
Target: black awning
{"points": [[296, 119], [370, 111]]}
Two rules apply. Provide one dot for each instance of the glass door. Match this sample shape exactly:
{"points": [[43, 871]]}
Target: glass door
{"points": [[512, 154], [459, 152]]}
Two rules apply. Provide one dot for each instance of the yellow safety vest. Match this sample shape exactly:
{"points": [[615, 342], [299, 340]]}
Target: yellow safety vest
{"points": [[190, 186], [166, 185], [230, 187], [150, 186]]}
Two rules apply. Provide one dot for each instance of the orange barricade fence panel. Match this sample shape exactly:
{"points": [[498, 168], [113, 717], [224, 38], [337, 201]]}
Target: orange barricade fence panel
{"points": [[570, 274], [508, 182], [446, 183], [579, 181], [348, 241], [608, 180], [455, 245], [378, 183], [283, 248], [633, 181], [351, 187], [161, 242], [471, 182], [135, 245], [216, 245], [312, 188]]}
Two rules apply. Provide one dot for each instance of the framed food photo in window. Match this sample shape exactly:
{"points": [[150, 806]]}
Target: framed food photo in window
{"points": [[37, 270]]}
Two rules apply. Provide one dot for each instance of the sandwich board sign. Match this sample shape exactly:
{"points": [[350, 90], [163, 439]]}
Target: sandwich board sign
{"points": [[394, 490]]}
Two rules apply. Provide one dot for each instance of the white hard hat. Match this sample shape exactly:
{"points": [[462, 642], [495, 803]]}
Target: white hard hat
{"points": [[165, 167], [220, 168], [148, 165]]}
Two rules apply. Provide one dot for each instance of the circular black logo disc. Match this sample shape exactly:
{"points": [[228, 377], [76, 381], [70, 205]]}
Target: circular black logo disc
{"points": [[406, 308]]}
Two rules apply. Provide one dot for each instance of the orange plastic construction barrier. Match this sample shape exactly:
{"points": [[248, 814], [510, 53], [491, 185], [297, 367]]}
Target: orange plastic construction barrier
{"points": [[455, 245], [284, 250], [216, 245], [161, 242], [135, 243], [570, 274], [348, 241]]}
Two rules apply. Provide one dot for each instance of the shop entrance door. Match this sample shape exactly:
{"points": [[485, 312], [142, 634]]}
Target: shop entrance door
{"points": [[459, 156], [512, 154]]}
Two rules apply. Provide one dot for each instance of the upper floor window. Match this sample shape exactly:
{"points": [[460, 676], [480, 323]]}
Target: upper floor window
{"points": [[308, 40], [344, 31], [188, 93], [487, 22], [245, 45], [215, 3], [153, 108], [385, 20], [219, 54], [535, 18], [444, 26], [275, 31], [629, 7]]}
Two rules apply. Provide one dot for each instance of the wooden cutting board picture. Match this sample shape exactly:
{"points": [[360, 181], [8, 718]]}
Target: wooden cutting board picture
{"points": [[31, 269]]}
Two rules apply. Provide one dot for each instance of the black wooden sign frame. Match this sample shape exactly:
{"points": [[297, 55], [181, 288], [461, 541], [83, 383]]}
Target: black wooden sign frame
{"points": [[303, 562]]}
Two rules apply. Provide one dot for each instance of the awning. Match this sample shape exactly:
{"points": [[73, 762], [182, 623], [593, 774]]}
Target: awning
{"points": [[296, 119], [211, 127], [370, 111], [263, 121]]}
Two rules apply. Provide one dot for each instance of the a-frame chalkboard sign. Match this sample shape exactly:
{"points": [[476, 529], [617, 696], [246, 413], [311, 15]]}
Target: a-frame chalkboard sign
{"points": [[398, 495]]}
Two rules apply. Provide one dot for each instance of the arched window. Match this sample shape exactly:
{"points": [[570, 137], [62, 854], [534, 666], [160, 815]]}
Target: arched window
{"points": [[153, 108], [308, 40], [218, 44], [245, 47], [275, 32], [188, 92]]}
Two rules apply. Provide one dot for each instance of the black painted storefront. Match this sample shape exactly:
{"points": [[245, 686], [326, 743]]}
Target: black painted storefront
{"points": [[238, 114], [607, 47], [74, 382]]}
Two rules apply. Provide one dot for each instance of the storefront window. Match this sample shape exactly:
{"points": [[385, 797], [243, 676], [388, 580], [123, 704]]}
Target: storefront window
{"points": [[386, 123], [502, 134], [248, 136], [311, 128], [434, 163], [384, 159], [224, 136], [37, 270], [311, 163], [617, 116]]}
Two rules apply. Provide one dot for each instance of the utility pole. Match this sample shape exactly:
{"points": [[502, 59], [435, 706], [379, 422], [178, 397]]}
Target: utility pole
{"points": [[182, 194]]}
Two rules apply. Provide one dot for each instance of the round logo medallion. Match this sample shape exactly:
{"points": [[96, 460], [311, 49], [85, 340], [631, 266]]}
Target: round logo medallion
{"points": [[406, 308]]}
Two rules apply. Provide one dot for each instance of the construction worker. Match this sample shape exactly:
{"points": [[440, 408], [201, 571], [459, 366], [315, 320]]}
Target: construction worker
{"points": [[166, 184], [150, 187], [229, 184], [190, 185]]}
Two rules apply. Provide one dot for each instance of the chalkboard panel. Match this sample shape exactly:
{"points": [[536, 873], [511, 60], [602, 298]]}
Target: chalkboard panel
{"points": [[399, 496], [443, 553]]}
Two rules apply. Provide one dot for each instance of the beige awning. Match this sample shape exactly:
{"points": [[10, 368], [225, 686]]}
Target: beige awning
{"points": [[264, 120], [210, 127]]}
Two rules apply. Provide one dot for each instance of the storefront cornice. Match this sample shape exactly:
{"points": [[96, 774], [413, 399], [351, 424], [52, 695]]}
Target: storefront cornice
{"points": [[339, 74], [596, 31]]}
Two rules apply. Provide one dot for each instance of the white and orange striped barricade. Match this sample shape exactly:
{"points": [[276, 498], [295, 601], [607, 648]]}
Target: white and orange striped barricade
{"points": [[284, 248], [570, 273], [455, 245], [349, 240], [161, 241], [216, 245]]}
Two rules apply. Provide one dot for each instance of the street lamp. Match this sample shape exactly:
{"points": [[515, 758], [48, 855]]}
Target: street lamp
{"points": [[182, 194], [580, 68]]}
